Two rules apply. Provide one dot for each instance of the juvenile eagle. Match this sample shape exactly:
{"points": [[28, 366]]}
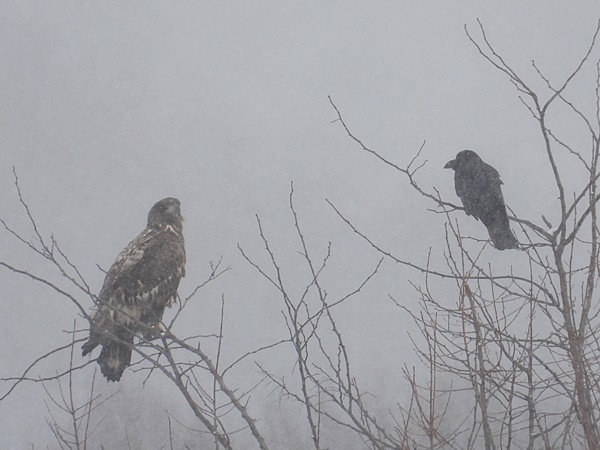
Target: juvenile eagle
{"points": [[478, 186], [137, 288]]}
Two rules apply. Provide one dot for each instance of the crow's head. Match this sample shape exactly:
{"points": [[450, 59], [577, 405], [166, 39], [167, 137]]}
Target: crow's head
{"points": [[462, 158]]}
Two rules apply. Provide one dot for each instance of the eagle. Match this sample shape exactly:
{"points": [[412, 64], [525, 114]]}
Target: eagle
{"points": [[479, 187], [138, 287]]}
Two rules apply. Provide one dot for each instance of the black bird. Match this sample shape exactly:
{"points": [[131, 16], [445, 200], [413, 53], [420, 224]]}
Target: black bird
{"points": [[478, 186]]}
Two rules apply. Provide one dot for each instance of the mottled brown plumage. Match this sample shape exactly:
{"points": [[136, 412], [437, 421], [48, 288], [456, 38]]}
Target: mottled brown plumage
{"points": [[138, 287]]}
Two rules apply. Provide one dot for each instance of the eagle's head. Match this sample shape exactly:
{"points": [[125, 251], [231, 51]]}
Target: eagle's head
{"points": [[462, 158], [166, 212]]}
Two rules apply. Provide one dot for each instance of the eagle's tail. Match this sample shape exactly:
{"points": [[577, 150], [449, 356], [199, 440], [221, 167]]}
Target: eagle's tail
{"points": [[114, 359]]}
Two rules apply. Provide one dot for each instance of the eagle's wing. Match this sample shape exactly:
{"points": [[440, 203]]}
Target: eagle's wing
{"points": [[151, 264], [144, 278], [142, 281]]}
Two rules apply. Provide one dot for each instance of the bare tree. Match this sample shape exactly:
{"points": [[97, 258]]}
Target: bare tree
{"points": [[325, 385], [511, 358], [78, 412], [530, 380], [181, 360]]}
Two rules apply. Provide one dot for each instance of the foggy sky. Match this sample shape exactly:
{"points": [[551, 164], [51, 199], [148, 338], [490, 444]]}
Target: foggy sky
{"points": [[107, 107]]}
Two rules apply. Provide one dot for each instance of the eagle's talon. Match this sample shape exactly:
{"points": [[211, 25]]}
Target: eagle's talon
{"points": [[153, 332]]}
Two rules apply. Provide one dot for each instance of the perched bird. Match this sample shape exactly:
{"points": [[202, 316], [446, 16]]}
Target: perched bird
{"points": [[137, 288], [478, 186]]}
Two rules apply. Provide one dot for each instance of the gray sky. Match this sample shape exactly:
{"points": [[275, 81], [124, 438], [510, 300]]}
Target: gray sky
{"points": [[107, 107]]}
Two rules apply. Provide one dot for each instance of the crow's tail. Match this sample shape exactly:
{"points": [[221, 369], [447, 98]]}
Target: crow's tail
{"points": [[500, 233]]}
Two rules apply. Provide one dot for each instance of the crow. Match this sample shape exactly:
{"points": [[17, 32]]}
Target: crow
{"points": [[478, 186]]}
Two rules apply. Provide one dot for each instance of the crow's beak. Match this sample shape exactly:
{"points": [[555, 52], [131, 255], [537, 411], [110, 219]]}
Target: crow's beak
{"points": [[450, 165]]}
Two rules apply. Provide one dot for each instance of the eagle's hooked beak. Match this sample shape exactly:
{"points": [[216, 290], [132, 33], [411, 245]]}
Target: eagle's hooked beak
{"points": [[450, 165]]}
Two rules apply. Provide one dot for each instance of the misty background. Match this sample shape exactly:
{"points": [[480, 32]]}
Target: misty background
{"points": [[108, 107]]}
